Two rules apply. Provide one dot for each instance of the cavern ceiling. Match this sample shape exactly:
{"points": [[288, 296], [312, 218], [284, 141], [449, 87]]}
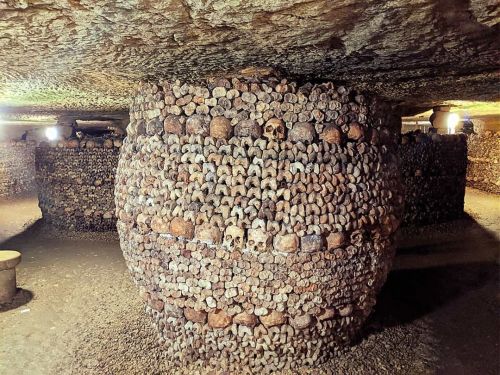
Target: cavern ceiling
{"points": [[88, 54]]}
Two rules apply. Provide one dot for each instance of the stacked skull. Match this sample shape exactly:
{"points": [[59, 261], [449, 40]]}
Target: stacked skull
{"points": [[256, 217], [76, 183], [433, 174], [483, 161], [17, 169]]}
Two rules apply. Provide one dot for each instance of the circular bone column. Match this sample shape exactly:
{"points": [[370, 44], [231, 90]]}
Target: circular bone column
{"points": [[256, 217]]}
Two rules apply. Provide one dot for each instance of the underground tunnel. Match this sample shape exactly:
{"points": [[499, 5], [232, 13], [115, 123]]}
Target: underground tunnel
{"points": [[223, 187]]}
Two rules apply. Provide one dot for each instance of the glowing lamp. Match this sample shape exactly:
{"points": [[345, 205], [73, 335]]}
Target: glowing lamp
{"points": [[452, 122], [51, 133]]}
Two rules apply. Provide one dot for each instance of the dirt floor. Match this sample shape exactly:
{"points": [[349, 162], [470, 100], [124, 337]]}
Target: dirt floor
{"points": [[79, 313]]}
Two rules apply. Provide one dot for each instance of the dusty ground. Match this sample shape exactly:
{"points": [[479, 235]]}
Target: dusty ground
{"points": [[17, 215], [484, 208], [78, 311]]}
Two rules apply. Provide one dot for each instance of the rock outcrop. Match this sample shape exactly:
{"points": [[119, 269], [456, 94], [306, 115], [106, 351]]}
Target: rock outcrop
{"points": [[86, 54]]}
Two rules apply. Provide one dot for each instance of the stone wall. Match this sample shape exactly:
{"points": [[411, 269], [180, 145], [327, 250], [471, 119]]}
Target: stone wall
{"points": [[483, 161], [17, 168], [76, 184], [433, 170], [256, 217]]}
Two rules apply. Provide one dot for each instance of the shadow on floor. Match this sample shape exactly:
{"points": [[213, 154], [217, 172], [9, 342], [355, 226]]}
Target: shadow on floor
{"points": [[412, 294], [434, 266], [460, 302], [438, 265], [447, 275], [451, 235], [31, 231], [21, 298]]}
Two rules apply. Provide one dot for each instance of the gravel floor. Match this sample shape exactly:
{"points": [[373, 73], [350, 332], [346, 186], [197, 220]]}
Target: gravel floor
{"points": [[79, 313]]}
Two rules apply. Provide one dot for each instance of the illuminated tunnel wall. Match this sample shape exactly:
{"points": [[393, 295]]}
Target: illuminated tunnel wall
{"points": [[433, 172], [17, 169], [483, 166], [76, 183]]}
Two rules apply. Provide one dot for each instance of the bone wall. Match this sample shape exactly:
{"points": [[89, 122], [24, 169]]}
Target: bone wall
{"points": [[76, 184], [433, 171], [17, 169], [256, 217], [483, 161]]}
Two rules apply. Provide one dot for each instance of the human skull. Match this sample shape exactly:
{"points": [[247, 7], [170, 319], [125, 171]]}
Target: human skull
{"points": [[287, 243], [154, 126], [197, 124], [220, 128], [332, 134], [208, 233], [258, 239], [274, 129], [248, 128], [173, 125], [356, 131], [233, 237], [302, 132]]}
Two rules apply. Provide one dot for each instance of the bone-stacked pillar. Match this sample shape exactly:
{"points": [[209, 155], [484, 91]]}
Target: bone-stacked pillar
{"points": [[76, 183], [433, 174], [17, 169], [483, 161], [256, 217]]}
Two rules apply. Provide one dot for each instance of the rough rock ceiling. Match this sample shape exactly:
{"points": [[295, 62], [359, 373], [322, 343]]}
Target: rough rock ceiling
{"points": [[87, 54]]}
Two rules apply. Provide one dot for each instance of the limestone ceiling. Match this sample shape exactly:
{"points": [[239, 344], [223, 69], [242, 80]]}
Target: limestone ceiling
{"points": [[87, 54]]}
